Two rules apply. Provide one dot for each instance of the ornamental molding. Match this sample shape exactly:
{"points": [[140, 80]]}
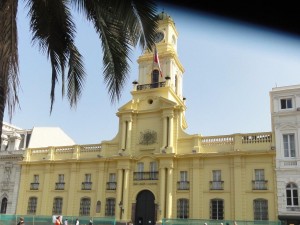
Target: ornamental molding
{"points": [[148, 137]]}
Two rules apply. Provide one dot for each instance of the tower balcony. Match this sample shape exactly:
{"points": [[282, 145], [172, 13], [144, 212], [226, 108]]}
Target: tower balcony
{"points": [[150, 86]]}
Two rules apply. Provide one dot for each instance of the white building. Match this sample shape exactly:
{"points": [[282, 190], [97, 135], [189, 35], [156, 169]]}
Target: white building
{"points": [[14, 142], [285, 114]]}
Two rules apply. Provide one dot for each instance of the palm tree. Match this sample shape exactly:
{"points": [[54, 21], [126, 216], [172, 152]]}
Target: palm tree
{"points": [[120, 24]]}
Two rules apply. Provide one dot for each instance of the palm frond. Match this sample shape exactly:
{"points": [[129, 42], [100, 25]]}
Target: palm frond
{"points": [[53, 31], [76, 76], [9, 63]]}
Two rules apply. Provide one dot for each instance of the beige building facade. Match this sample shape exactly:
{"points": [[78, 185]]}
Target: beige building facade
{"points": [[153, 169]]}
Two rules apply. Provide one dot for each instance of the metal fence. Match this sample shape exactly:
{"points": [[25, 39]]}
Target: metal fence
{"points": [[48, 220], [217, 222]]}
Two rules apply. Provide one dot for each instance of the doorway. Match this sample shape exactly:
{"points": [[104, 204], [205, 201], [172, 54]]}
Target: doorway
{"points": [[145, 208]]}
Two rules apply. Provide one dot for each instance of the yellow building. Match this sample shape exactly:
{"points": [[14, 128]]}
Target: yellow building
{"points": [[152, 169]]}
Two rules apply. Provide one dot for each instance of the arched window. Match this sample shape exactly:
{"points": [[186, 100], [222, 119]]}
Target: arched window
{"points": [[260, 209], [183, 208], [155, 79], [98, 207], [110, 207], [292, 195], [3, 205], [57, 206], [32, 203], [217, 209], [85, 206]]}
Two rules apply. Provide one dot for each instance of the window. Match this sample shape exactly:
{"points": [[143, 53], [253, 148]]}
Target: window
{"points": [[183, 184], [140, 170], [286, 103], [289, 145], [98, 207], [292, 195], [183, 208], [217, 209], [36, 178], [35, 184], [57, 206], [112, 184], [88, 177], [61, 178], [85, 205], [87, 184], [32, 202], [259, 182], [216, 183], [110, 207], [60, 185], [155, 78], [260, 209], [3, 206], [153, 171]]}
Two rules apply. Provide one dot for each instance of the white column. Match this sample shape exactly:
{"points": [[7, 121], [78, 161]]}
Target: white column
{"points": [[164, 140], [162, 189], [127, 207], [170, 131], [169, 193], [129, 133], [119, 194], [123, 135]]}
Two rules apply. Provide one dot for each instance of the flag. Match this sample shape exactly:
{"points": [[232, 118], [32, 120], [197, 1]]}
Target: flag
{"points": [[156, 61]]}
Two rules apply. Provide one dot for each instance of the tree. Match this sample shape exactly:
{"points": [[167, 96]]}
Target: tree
{"points": [[120, 24]]}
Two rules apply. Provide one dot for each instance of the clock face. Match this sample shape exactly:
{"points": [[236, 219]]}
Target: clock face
{"points": [[159, 36]]}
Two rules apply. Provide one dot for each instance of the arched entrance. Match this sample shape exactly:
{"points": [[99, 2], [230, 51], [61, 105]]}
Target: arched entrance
{"points": [[145, 209], [3, 205]]}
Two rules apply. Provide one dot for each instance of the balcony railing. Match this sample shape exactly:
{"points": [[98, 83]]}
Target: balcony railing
{"points": [[111, 185], [183, 185], [259, 185], [60, 186], [34, 186], [145, 176], [216, 185], [86, 186], [293, 208], [150, 86]]}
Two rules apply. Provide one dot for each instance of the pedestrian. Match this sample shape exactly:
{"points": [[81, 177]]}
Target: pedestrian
{"points": [[66, 222], [91, 222], [21, 221], [235, 223], [58, 220], [77, 222]]}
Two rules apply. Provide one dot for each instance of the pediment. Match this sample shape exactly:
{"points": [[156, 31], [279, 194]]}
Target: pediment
{"points": [[148, 103], [287, 127]]}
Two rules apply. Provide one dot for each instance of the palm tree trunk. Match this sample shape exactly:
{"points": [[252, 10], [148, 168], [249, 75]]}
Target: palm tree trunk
{"points": [[2, 106]]}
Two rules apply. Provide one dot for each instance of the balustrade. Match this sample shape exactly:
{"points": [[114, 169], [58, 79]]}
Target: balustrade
{"points": [[145, 176], [150, 86], [216, 185], [259, 185]]}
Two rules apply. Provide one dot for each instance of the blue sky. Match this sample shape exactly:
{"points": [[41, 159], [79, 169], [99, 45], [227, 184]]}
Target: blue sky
{"points": [[230, 67]]}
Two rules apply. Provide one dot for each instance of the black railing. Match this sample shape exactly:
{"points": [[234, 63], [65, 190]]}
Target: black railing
{"points": [[259, 185], [111, 185], [145, 176], [183, 185], [150, 86], [86, 186], [216, 185], [60, 186], [34, 186]]}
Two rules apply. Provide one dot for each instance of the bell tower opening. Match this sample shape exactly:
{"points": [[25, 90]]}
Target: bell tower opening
{"points": [[155, 78]]}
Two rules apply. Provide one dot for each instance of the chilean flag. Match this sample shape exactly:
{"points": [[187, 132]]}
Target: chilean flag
{"points": [[156, 60]]}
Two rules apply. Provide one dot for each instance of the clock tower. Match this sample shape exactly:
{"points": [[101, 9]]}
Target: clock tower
{"points": [[153, 120]]}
